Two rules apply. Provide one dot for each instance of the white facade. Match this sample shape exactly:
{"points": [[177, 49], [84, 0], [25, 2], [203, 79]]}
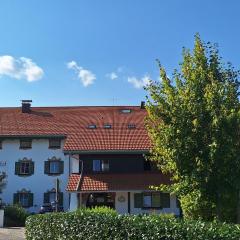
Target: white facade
{"points": [[38, 183]]}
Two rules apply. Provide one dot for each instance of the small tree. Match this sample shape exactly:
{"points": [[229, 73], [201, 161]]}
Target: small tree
{"points": [[193, 121]]}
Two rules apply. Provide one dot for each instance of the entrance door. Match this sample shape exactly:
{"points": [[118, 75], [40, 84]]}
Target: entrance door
{"points": [[101, 199]]}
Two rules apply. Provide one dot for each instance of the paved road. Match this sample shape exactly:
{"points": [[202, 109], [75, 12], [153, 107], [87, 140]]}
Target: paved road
{"points": [[12, 234]]}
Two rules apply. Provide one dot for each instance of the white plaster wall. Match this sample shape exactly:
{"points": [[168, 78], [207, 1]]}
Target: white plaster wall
{"points": [[39, 182], [73, 201], [121, 207], [74, 165]]}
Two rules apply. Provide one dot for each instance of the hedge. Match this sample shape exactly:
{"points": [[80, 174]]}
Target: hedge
{"points": [[104, 224]]}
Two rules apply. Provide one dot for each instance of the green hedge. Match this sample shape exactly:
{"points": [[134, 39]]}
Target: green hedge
{"points": [[14, 216], [103, 224]]}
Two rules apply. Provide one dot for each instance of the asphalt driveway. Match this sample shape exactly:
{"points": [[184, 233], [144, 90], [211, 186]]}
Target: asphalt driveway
{"points": [[14, 233]]}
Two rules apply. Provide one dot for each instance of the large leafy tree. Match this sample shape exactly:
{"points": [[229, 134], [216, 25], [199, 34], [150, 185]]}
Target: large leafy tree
{"points": [[193, 121]]}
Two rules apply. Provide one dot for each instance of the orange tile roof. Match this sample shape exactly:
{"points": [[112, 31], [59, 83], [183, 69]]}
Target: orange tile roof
{"points": [[72, 122], [73, 182], [117, 181]]}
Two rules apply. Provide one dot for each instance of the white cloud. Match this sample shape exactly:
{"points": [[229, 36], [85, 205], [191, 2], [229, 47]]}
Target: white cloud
{"points": [[139, 83], [112, 75], [21, 68], [87, 77]]}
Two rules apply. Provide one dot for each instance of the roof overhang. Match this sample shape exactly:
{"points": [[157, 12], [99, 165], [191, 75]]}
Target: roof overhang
{"points": [[32, 136], [69, 152]]}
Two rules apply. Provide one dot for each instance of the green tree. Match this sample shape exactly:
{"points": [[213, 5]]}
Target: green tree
{"points": [[193, 121]]}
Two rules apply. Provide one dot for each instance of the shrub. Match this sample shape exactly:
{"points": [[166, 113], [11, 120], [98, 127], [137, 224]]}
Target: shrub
{"points": [[14, 216], [100, 224]]}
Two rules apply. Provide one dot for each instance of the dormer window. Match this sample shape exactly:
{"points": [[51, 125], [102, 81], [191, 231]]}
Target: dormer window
{"points": [[131, 126], [125, 110], [92, 126], [25, 143], [107, 126]]}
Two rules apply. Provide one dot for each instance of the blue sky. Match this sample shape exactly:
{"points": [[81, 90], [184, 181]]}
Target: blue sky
{"points": [[91, 52]]}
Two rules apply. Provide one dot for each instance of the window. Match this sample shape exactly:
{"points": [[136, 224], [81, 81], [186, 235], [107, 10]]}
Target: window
{"points": [[100, 165], [125, 110], [24, 198], [131, 126], [24, 167], [96, 165], [0, 144], [25, 143], [54, 143], [105, 165], [54, 166], [107, 126], [152, 200], [50, 196], [92, 126]]}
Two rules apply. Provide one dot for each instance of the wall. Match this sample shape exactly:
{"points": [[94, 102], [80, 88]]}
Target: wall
{"points": [[39, 182]]}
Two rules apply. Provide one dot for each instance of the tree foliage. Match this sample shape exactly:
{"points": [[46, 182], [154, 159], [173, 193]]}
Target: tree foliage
{"points": [[193, 121]]}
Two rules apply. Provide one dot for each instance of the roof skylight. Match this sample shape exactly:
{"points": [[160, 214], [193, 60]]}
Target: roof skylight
{"points": [[125, 110], [92, 126]]}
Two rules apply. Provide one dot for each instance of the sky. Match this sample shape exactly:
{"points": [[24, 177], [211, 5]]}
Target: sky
{"points": [[92, 52]]}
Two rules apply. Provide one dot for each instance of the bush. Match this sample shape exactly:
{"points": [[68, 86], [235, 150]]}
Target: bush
{"points": [[100, 224], [14, 216]]}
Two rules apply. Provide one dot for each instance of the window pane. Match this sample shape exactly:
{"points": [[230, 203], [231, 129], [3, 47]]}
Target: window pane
{"points": [[156, 200], [147, 200], [24, 167], [26, 143], [23, 199], [52, 197], [54, 167], [55, 143], [105, 165], [96, 165]]}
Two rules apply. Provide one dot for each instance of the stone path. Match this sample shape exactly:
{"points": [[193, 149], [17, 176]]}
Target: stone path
{"points": [[15, 233]]}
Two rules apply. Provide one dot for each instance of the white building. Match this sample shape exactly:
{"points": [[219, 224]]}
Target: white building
{"points": [[96, 153]]}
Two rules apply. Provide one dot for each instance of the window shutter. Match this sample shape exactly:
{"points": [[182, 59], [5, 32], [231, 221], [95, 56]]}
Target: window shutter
{"points": [[15, 198], [46, 167], [138, 200], [61, 167], [17, 168], [46, 197], [31, 168], [60, 195], [165, 200], [30, 199]]}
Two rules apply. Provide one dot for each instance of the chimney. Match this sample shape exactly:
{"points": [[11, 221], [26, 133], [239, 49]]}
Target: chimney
{"points": [[26, 106], [142, 105]]}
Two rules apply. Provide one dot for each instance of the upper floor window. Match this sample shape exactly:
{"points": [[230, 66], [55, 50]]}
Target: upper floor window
{"points": [[24, 198], [24, 167], [100, 165], [0, 144], [25, 143], [55, 143], [54, 166]]}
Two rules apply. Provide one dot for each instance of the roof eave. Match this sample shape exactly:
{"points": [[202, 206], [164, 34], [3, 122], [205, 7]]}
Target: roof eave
{"points": [[70, 152]]}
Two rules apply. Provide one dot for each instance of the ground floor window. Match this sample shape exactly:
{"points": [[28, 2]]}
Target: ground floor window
{"points": [[101, 199], [50, 197], [24, 198], [152, 200]]}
